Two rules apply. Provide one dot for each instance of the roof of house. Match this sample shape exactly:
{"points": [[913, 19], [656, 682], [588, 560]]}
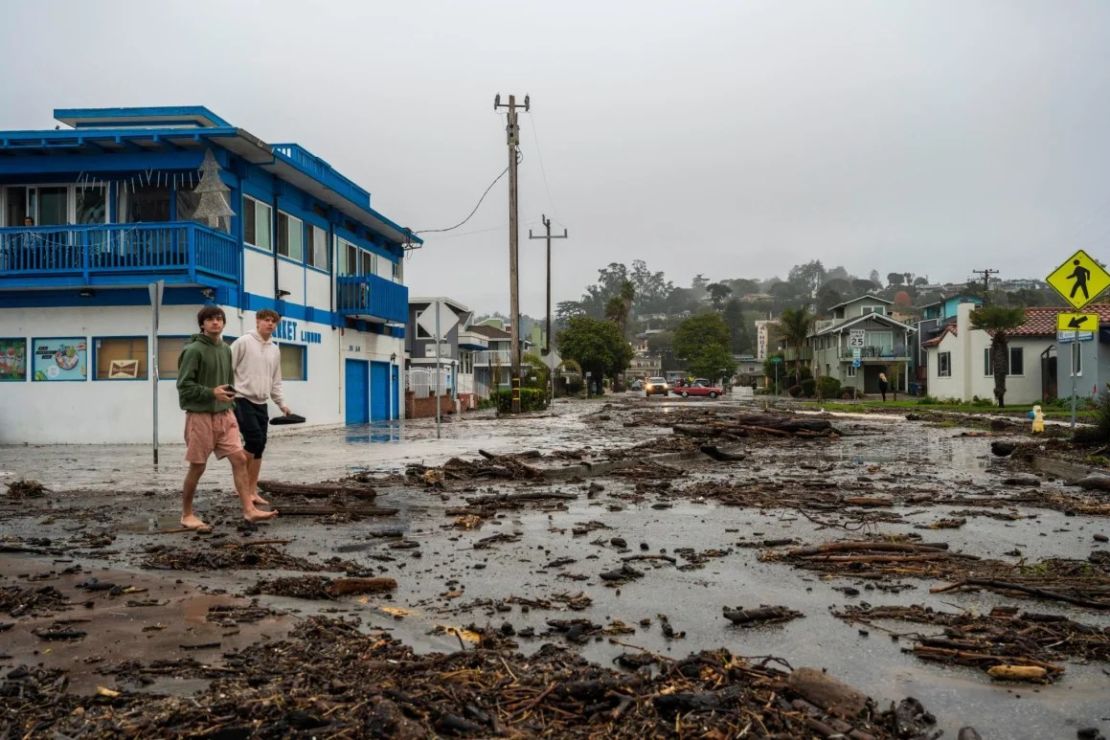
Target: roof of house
{"points": [[490, 331], [945, 299], [860, 298], [837, 328], [1040, 321], [172, 129]]}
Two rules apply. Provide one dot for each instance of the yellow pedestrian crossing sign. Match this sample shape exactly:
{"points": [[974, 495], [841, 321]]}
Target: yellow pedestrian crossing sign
{"points": [[1079, 280], [1077, 322]]}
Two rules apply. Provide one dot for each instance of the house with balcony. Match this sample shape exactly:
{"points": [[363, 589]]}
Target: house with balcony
{"points": [[935, 317], [858, 342], [99, 212], [453, 363]]}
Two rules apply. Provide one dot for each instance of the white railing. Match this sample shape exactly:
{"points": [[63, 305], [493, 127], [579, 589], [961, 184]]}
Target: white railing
{"points": [[493, 357], [422, 382]]}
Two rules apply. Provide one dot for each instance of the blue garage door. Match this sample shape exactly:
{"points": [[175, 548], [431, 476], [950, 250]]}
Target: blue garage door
{"points": [[379, 391], [358, 391]]}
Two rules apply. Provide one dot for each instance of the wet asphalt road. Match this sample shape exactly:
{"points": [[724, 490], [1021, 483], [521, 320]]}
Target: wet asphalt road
{"points": [[446, 581]]}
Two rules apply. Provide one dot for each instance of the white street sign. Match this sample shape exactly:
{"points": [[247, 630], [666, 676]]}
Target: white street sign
{"points": [[427, 318]]}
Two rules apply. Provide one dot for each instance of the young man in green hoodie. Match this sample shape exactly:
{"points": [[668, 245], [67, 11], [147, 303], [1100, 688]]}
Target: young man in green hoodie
{"points": [[205, 393]]}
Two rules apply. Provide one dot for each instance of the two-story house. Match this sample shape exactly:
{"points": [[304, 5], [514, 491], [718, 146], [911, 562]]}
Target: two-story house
{"points": [[94, 216], [858, 342], [455, 355], [935, 317]]}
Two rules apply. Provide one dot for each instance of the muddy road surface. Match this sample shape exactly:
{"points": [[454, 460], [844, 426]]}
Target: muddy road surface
{"points": [[625, 568]]}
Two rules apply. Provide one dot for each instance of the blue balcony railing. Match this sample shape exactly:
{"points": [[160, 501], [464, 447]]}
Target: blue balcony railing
{"points": [[116, 254], [373, 297]]}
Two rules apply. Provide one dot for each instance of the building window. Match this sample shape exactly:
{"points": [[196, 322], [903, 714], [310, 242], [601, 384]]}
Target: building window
{"points": [[120, 358], [398, 272], [293, 365], [145, 203], [290, 241], [851, 370], [256, 223], [1017, 361], [317, 252], [944, 364], [169, 351], [91, 204]]}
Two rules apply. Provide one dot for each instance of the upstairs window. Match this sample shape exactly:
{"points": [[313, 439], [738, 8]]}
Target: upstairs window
{"points": [[290, 242], [257, 224], [316, 253]]}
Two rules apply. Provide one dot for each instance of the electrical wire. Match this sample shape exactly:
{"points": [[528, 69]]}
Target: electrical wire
{"points": [[543, 170], [519, 159]]}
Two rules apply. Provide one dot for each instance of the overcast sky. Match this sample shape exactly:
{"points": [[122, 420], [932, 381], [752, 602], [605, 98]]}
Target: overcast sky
{"points": [[734, 139]]}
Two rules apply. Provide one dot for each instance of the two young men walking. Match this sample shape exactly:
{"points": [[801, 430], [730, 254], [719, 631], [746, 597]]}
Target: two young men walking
{"points": [[218, 411]]}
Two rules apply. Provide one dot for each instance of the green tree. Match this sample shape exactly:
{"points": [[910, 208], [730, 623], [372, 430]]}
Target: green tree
{"points": [[998, 321], [740, 331], [718, 294], [807, 278], [794, 327], [703, 341], [597, 346]]}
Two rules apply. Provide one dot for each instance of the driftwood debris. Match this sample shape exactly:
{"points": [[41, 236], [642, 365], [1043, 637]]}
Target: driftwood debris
{"points": [[763, 615], [747, 424], [324, 510], [327, 488]]}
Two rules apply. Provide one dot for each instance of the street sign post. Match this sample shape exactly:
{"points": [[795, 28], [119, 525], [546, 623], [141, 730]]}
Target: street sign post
{"points": [[1079, 280]]}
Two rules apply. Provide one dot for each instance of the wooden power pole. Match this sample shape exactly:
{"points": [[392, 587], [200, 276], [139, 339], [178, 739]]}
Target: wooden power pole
{"points": [[513, 137], [548, 237]]}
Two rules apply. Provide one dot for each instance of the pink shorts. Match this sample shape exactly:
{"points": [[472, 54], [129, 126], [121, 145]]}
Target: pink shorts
{"points": [[207, 433]]}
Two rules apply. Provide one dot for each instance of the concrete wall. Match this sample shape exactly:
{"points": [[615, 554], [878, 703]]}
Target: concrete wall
{"points": [[121, 411]]}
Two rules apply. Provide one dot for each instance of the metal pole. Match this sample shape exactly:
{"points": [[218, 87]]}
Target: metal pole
{"points": [[547, 338], [155, 289], [436, 306], [1074, 363]]}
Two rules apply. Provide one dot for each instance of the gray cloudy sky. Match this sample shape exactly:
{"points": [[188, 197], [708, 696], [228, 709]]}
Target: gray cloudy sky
{"points": [[734, 139]]}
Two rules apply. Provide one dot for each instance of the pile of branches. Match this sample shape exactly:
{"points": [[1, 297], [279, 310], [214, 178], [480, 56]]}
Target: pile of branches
{"points": [[1005, 637], [233, 556], [746, 425], [876, 558], [18, 601], [331, 680], [503, 467]]}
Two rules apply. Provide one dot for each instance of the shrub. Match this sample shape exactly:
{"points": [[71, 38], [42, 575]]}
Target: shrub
{"points": [[794, 391], [1100, 432], [531, 399], [828, 387], [809, 387], [926, 400]]}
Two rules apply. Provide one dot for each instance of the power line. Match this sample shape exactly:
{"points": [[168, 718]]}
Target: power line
{"points": [[460, 223], [543, 170]]}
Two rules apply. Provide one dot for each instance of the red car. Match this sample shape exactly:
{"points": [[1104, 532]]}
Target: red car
{"points": [[699, 387]]}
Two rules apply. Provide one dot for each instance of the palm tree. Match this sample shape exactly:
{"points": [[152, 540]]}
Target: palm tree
{"points": [[998, 321], [619, 306], [794, 327]]}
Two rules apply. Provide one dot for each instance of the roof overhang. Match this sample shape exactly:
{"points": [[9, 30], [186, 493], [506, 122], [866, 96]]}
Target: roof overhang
{"points": [[837, 328], [177, 116]]}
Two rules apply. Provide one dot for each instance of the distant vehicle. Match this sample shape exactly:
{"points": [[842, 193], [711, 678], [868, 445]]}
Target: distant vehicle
{"points": [[656, 386], [636, 385], [700, 387]]}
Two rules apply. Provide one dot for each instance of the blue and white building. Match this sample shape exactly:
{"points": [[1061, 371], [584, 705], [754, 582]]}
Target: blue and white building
{"points": [[95, 211]]}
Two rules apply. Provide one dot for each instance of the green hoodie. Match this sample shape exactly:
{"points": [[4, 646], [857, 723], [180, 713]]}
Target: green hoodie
{"points": [[203, 365]]}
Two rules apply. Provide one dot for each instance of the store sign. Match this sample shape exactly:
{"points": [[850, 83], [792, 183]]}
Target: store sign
{"points": [[61, 358], [287, 331]]}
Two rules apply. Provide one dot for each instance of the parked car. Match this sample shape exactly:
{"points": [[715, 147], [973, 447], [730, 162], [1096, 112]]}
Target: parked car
{"points": [[700, 387], [636, 385], [656, 386]]}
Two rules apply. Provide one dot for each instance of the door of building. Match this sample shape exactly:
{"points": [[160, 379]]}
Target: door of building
{"points": [[379, 391], [357, 393]]}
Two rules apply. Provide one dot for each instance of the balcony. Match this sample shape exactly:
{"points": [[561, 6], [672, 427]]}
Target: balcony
{"points": [[371, 297], [493, 357], [877, 353], [117, 255]]}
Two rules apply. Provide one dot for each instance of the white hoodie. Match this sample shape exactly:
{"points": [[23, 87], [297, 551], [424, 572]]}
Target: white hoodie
{"points": [[257, 366]]}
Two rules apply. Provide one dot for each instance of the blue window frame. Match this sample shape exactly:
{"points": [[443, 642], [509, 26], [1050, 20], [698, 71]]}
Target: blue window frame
{"points": [[59, 359], [120, 358]]}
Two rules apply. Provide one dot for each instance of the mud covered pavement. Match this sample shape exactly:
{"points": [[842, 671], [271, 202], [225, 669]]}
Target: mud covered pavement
{"points": [[634, 568]]}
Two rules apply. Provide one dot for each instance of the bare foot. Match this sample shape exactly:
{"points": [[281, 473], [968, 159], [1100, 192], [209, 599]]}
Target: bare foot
{"points": [[257, 515], [194, 523], [259, 501]]}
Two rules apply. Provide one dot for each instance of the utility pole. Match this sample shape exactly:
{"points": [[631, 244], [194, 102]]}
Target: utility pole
{"points": [[547, 336], [513, 138], [986, 280]]}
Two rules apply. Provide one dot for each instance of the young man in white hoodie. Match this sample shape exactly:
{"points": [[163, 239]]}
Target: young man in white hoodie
{"points": [[257, 364]]}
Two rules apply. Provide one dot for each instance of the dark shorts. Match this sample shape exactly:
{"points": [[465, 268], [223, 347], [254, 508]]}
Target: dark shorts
{"points": [[253, 423]]}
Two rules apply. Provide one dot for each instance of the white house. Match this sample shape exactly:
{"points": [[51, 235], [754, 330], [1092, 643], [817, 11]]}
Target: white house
{"points": [[959, 364]]}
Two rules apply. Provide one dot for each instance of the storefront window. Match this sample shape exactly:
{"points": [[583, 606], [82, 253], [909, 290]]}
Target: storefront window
{"points": [[120, 358], [293, 366]]}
